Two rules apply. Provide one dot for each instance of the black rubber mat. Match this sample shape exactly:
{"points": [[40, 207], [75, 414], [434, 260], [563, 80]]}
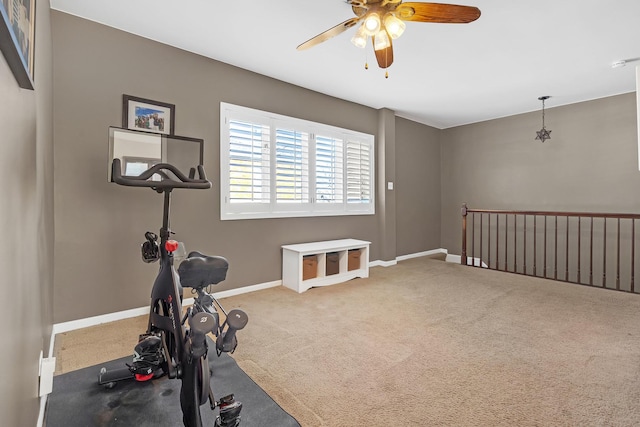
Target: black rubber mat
{"points": [[78, 400]]}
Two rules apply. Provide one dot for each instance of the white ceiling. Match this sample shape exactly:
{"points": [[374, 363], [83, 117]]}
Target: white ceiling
{"points": [[444, 75]]}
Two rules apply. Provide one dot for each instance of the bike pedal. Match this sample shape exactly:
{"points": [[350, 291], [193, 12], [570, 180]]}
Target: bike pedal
{"points": [[229, 412], [143, 377]]}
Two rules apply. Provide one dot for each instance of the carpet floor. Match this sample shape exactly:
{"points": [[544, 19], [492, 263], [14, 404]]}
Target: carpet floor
{"points": [[430, 343]]}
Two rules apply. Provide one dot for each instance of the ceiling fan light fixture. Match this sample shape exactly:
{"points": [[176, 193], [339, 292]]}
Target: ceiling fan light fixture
{"points": [[394, 26], [381, 40], [359, 39], [385, 20], [372, 24]]}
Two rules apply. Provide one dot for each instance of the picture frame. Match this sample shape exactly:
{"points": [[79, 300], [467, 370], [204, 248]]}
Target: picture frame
{"points": [[17, 38], [148, 115]]}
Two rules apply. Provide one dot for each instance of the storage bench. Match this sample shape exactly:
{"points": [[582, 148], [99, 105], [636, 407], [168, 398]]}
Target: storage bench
{"points": [[335, 261]]}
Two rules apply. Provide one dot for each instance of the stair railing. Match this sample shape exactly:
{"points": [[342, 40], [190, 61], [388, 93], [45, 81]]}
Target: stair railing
{"points": [[595, 249]]}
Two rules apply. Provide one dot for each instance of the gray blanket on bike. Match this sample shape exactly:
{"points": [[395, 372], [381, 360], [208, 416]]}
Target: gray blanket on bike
{"points": [[78, 400]]}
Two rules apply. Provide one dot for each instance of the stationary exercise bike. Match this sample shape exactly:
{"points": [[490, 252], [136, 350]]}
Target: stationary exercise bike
{"points": [[174, 344]]}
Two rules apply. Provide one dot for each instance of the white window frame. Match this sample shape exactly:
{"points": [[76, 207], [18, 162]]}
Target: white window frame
{"points": [[309, 208]]}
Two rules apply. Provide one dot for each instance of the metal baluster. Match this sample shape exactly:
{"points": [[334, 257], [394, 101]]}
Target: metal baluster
{"points": [[535, 252], [497, 240], [591, 254], [579, 224], [524, 245], [604, 254], [555, 264], [618, 259], [506, 242], [463, 258], [489, 243], [545, 247], [515, 243], [633, 253], [566, 257], [481, 231], [473, 238]]}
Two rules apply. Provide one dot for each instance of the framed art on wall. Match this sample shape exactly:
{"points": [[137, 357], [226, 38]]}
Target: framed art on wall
{"points": [[17, 35], [147, 115]]}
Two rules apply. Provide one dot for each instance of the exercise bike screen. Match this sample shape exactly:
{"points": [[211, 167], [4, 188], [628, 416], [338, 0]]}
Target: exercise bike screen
{"points": [[138, 151]]}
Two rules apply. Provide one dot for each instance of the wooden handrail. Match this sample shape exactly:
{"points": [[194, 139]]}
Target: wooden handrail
{"points": [[554, 213]]}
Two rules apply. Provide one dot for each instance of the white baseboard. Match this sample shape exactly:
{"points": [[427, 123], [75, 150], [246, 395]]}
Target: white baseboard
{"points": [[72, 325], [380, 263], [421, 254], [449, 258], [453, 258], [470, 261], [247, 289], [141, 311]]}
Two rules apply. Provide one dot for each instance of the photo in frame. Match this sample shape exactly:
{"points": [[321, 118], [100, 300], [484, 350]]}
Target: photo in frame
{"points": [[17, 36], [147, 115]]}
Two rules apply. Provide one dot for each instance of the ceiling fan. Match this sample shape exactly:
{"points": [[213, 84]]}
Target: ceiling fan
{"points": [[383, 21]]}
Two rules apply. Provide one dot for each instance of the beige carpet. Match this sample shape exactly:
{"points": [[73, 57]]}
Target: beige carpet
{"points": [[429, 343]]}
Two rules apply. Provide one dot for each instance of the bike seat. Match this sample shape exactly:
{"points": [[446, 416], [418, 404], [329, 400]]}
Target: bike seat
{"points": [[199, 270]]}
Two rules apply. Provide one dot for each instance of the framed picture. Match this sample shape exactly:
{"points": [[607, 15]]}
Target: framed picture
{"points": [[147, 115], [17, 35]]}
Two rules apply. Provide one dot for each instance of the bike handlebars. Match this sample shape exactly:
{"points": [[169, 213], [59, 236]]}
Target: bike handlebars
{"points": [[167, 182]]}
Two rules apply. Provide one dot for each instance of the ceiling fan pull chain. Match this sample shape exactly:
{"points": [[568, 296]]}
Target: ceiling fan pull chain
{"points": [[386, 72], [366, 60]]}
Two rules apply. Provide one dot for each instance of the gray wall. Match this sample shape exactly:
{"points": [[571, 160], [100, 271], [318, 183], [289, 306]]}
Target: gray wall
{"points": [[590, 164], [26, 221], [417, 187], [99, 225]]}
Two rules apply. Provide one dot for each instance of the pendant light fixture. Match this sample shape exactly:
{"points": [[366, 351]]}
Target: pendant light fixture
{"points": [[543, 134]]}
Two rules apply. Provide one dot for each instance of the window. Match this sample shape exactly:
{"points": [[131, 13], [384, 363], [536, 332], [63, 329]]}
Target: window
{"points": [[275, 166]]}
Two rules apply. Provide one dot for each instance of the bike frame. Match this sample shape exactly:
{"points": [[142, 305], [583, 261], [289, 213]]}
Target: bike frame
{"points": [[165, 313], [166, 299], [165, 316], [184, 350]]}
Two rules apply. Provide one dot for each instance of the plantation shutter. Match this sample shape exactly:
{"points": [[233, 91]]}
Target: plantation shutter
{"points": [[358, 172], [329, 170], [273, 166], [292, 166], [249, 166]]}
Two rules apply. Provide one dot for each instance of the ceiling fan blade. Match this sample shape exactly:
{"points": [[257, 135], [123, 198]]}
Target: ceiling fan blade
{"points": [[331, 32], [437, 12], [384, 56]]}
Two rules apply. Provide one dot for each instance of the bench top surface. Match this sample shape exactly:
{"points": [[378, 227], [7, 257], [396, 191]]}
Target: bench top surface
{"points": [[329, 245]]}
